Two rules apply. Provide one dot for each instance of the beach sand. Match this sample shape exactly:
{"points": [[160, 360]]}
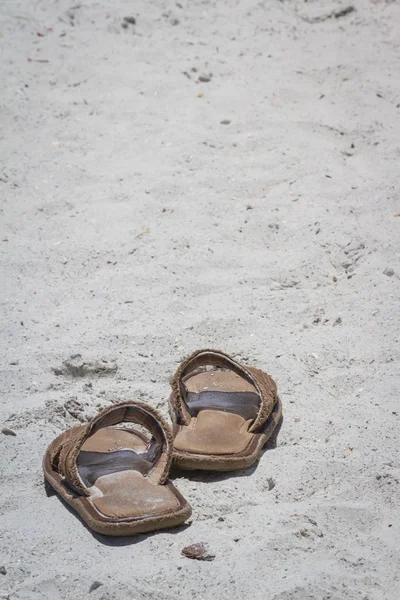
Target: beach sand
{"points": [[222, 175]]}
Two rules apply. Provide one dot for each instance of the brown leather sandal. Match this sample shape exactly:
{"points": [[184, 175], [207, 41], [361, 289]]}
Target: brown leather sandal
{"points": [[222, 417], [116, 478]]}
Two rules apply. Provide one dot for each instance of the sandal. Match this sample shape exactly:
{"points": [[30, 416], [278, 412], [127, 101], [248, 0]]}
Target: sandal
{"points": [[222, 417], [116, 478]]}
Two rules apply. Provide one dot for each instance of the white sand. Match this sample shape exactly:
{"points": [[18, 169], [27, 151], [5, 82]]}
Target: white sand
{"points": [[127, 236]]}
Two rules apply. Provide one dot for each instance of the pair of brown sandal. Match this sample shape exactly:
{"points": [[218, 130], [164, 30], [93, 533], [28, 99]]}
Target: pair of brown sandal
{"points": [[116, 478]]}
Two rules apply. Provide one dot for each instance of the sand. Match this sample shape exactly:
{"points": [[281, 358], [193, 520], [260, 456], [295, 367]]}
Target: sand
{"points": [[145, 214]]}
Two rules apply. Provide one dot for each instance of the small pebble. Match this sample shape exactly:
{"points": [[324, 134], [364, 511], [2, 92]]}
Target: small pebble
{"points": [[3, 570], [197, 552], [205, 78], [388, 272], [304, 532], [95, 585], [225, 122], [7, 431], [271, 483], [130, 20]]}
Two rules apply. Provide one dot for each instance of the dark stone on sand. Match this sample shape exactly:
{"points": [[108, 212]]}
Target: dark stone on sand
{"points": [[130, 20], [95, 585]]}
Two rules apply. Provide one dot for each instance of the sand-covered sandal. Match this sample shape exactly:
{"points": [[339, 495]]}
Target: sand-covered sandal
{"points": [[117, 478], [222, 417]]}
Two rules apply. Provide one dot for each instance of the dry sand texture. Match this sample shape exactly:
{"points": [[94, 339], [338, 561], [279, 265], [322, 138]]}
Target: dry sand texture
{"points": [[146, 213]]}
